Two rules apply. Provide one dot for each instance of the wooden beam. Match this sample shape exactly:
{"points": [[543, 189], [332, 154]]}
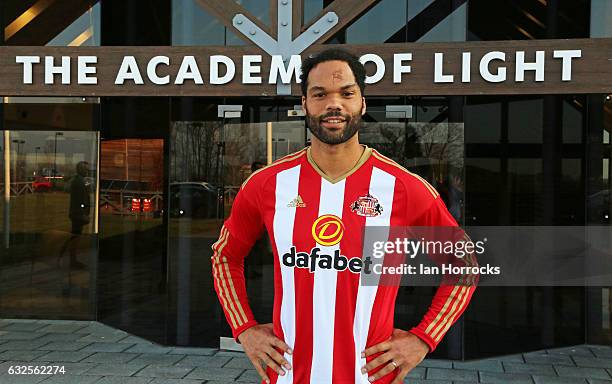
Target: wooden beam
{"points": [[298, 17], [591, 73], [273, 12], [225, 10], [347, 11], [51, 18]]}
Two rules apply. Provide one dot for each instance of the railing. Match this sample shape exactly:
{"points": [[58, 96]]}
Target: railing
{"points": [[20, 188], [109, 196]]}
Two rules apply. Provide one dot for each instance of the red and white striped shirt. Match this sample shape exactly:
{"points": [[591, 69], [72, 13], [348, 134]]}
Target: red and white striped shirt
{"points": [[325, 315]]}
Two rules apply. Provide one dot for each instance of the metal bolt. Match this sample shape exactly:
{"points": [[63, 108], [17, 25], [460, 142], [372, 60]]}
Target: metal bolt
{"points": [[316, 31], [239, 21], [284, 2], [284, 23], [330, 19], [252, 32]]}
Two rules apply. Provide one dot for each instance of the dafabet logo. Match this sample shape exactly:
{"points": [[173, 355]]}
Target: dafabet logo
{"points": [[327, 230]]}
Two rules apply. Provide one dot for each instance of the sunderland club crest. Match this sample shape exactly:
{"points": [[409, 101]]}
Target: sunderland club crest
{"points": [[367, 205]]}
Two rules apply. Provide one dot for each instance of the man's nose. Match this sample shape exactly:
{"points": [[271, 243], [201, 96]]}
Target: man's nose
{"points": [[333, 104]]}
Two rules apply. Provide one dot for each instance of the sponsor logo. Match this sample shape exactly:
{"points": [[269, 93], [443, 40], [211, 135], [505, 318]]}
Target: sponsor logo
{"points": [[297, 203], [327, 230], [314, 260], [367, 206]]}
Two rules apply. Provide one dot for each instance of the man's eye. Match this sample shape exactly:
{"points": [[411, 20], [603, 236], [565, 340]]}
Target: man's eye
{"points": [[349, 94], [319, 94]]}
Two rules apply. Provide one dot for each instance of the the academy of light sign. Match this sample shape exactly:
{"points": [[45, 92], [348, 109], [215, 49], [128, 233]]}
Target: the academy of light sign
{"points": [[222, 69], [544, 66]]}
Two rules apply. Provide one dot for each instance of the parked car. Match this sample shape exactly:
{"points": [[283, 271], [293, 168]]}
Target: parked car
{"points": [[42, 184], [194, 200]]}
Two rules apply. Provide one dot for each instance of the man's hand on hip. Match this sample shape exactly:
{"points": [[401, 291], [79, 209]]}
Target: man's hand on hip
{"points": [[403, 351], [259, 343]]}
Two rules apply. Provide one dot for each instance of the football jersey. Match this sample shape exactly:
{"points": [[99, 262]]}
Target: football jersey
{"points": [[320, 309]]}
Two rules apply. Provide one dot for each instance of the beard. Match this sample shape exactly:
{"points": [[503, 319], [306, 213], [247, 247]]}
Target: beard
{"points": [[352, 125]]}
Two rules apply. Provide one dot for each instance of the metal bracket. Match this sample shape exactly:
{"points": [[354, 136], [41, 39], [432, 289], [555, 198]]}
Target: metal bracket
{"points": [[285, 45], [229, 111], [398, 111], [297, 111]]}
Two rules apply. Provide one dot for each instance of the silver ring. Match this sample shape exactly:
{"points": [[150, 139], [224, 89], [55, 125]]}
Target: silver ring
{"points": [[394, 364]]}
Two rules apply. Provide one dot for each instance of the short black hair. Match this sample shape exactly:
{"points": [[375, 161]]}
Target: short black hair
{"points": [[330, 55]]}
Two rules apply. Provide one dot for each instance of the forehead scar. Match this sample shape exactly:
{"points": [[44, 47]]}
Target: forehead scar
{"points": [[337, 75]]}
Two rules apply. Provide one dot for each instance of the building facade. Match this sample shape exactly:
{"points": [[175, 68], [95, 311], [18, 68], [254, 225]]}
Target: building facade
{"points": [[162, 172]]}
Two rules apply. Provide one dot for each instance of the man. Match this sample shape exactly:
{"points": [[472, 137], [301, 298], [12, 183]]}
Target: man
{"points": [[327, 327], [79, 199], [78, 212]]}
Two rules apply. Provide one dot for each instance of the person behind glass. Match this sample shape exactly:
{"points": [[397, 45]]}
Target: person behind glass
{"points": [[80, 205]]}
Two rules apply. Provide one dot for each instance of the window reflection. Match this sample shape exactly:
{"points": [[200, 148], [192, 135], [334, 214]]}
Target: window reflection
{"points": [[49, 257], [378, 24]]}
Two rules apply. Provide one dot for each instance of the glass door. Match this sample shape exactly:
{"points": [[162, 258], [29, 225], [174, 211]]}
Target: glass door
{"points": [[132, 239], [210, 157], [48, 257], [426, 141]]}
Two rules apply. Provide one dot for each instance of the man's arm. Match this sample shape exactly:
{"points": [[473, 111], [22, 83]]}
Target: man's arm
{"points": [[238, 234], [450, 300]]}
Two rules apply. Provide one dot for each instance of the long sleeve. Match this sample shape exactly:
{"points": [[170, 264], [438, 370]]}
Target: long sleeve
{"points": [[238, 234], [450, 300]]}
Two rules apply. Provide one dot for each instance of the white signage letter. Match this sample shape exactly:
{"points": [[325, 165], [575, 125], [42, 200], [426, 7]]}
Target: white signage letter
{"points": [[51, 69], [152, 70], [189, 71], [439, 76], [129, 71], [380, 67], [522, 66], [484, 67], [399, 68], [84, 70], [249, 69], [566, 65], [466, 67], [278, 67], [230, 72], [27, 62]]}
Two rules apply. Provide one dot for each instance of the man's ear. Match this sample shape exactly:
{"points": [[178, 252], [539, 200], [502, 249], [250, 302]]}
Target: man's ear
{"points": [[304, 103], [363, 106]]}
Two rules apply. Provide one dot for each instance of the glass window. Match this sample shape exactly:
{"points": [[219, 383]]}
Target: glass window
{"points": [[311, 9], [259, 9], [482, 190], [84, 31], [528, 20], [572, 119], [51, 145], [525, 184], [451, 28], [384, 20], [417, 6], [49, 255], [482, 122], [601, 15], [525, 119], [192, 25]]}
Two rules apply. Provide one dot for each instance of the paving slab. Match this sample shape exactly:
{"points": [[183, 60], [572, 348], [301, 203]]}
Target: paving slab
{"points": [[110, 357], [94, 353], [165, 371], [128, 369]]}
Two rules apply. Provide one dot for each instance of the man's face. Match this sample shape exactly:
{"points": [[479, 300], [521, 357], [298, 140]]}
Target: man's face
{"points": [[333, 103]]}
